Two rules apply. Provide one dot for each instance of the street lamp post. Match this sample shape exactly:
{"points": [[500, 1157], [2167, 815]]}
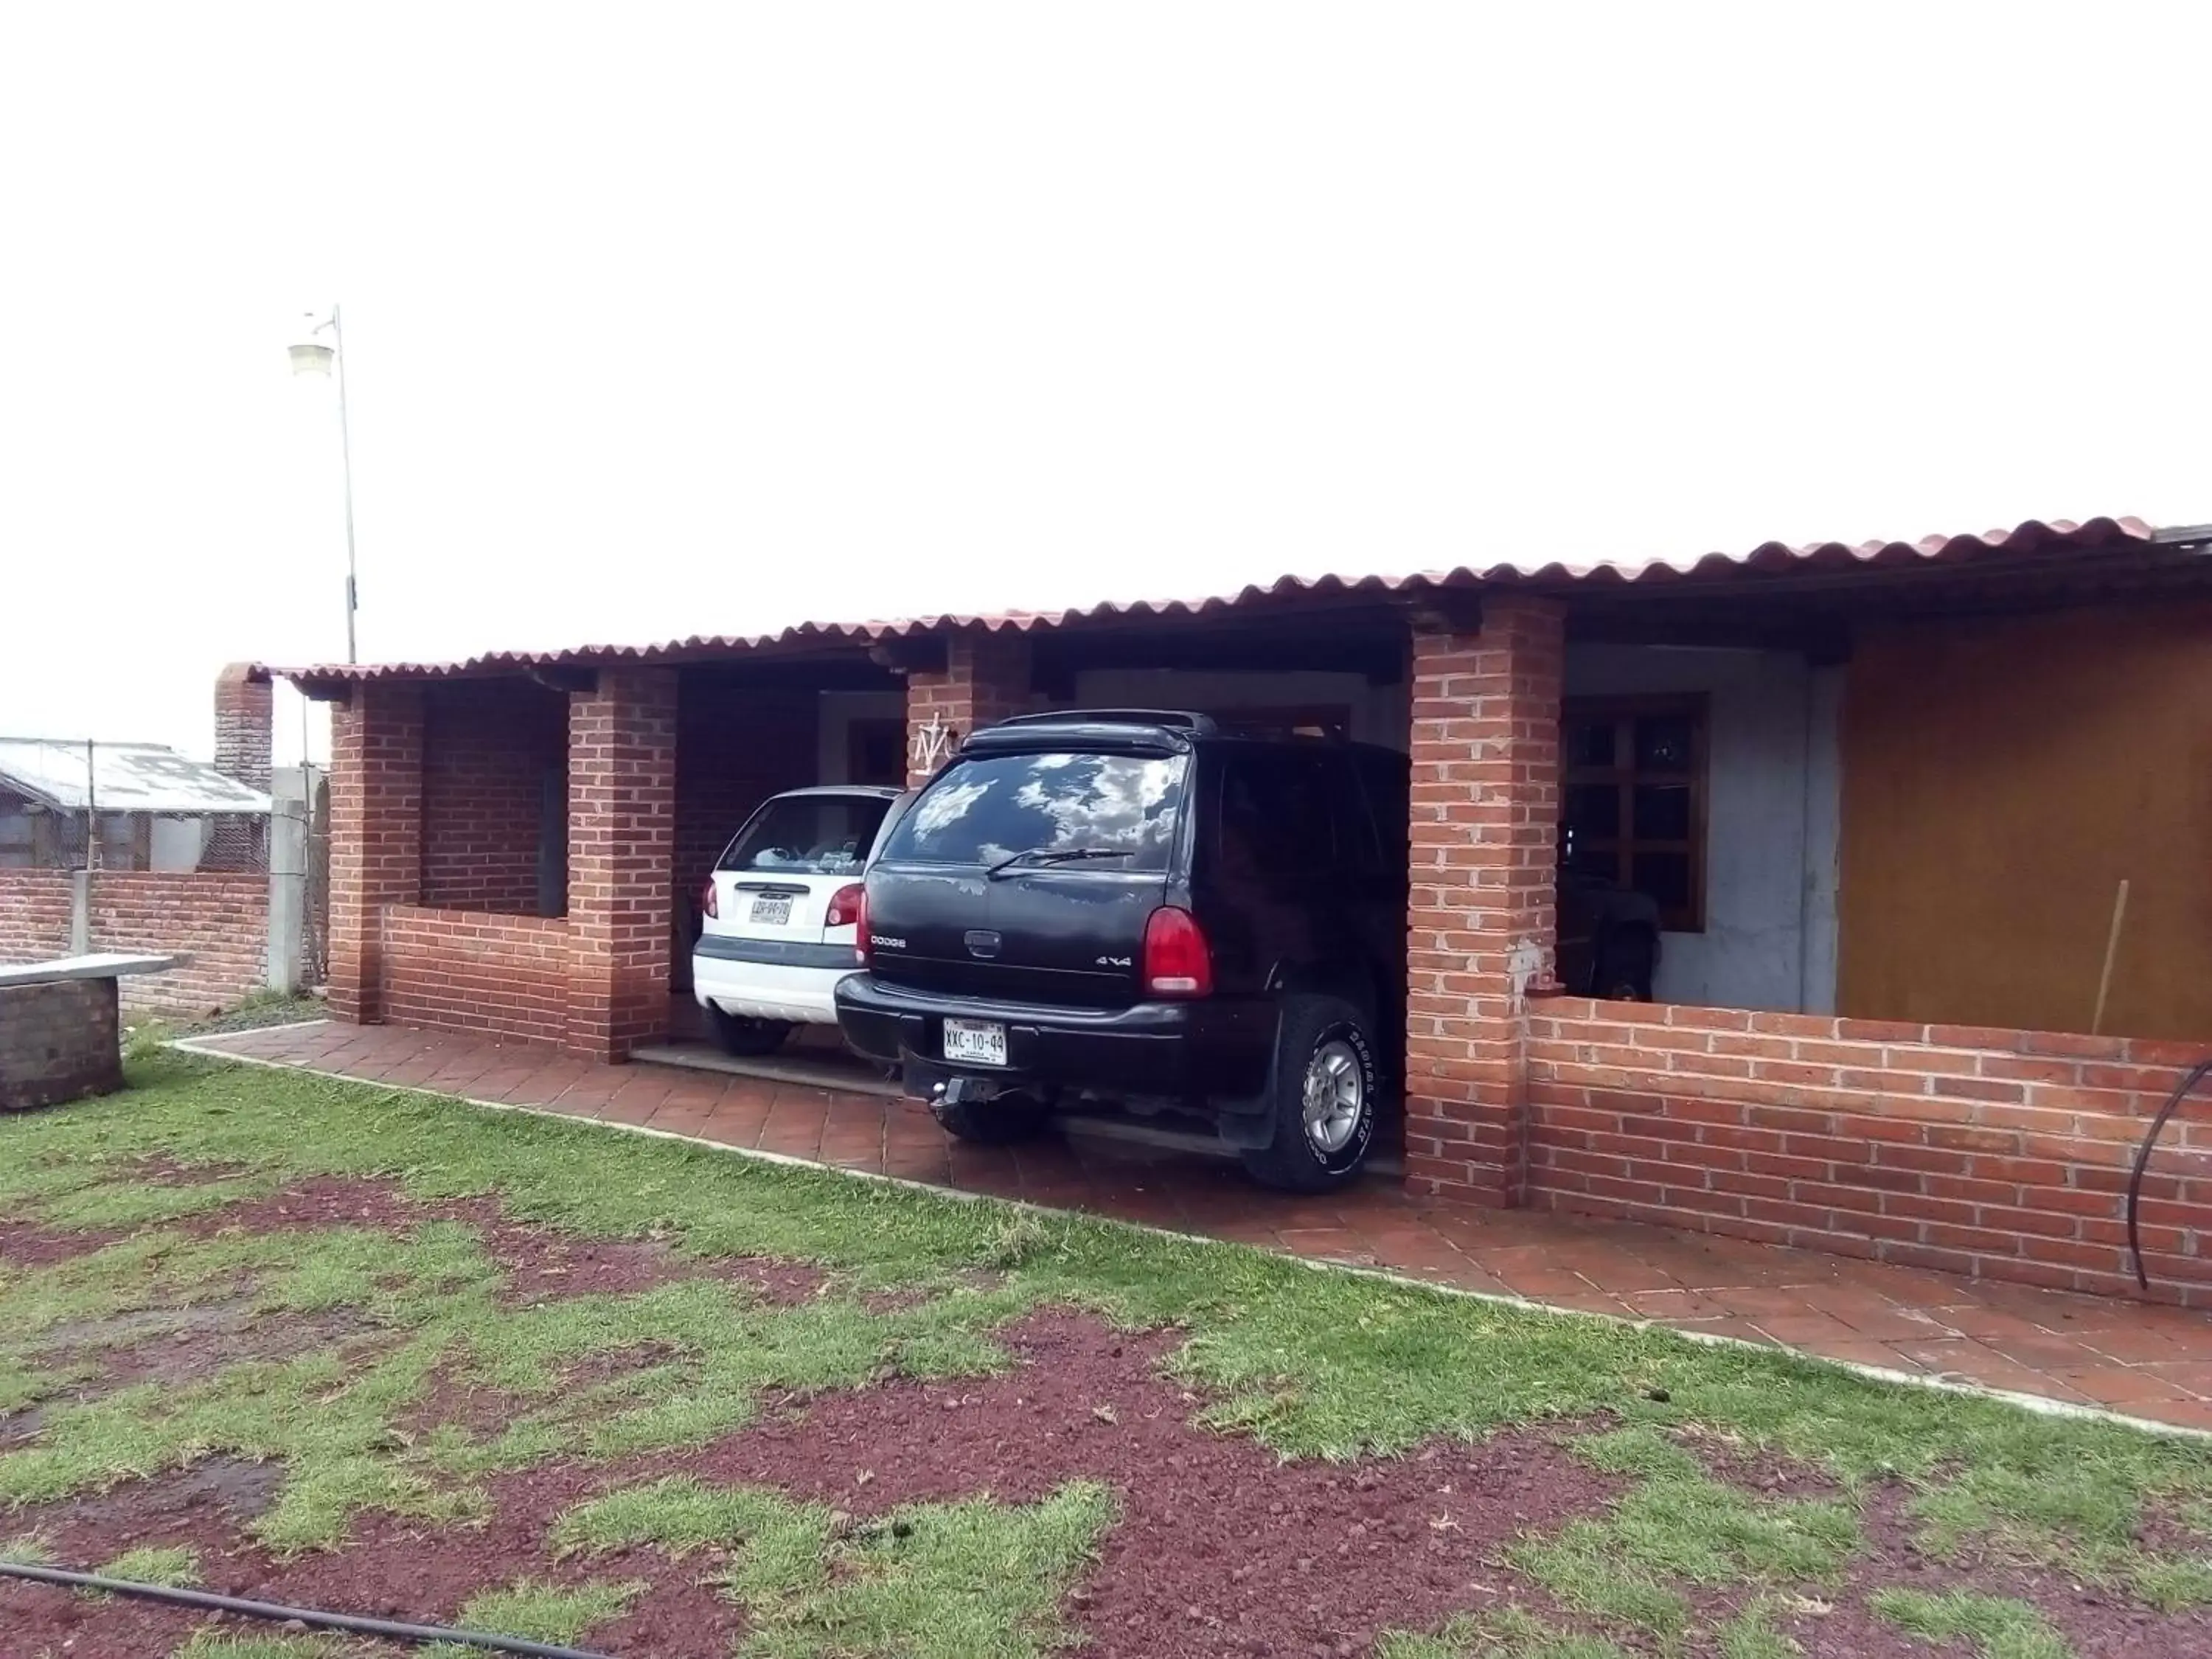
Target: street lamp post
{"points": [[311, 357]]}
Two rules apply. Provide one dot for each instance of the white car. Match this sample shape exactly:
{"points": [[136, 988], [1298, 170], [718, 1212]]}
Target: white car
{"points": [[777, 916]]}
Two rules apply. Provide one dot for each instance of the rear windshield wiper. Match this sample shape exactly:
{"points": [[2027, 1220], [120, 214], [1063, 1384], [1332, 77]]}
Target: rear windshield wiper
{"points": [[1056, 855]]}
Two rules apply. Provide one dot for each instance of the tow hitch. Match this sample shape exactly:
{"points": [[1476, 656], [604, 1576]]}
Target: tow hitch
{"points": [[961, 1091]]}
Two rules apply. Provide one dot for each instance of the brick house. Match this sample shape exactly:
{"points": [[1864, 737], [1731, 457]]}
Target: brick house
{"points": [[1883, 796]]}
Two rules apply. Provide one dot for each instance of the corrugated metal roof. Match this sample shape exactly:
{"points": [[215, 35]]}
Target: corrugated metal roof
{"points": [[2034, 536], [125, 777]]}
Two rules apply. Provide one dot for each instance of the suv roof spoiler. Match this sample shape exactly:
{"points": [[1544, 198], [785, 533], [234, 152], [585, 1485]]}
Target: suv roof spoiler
{"points": [[1172, 719], [1145, 730]]}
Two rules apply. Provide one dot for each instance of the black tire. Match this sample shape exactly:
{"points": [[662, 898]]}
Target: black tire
{"points": [[1000, 1123], [746, 1038], [1317, 1030], [1628, 961]]}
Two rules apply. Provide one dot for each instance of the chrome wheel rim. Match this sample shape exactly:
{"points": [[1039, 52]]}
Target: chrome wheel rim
{"points": [[1335, 1095]]}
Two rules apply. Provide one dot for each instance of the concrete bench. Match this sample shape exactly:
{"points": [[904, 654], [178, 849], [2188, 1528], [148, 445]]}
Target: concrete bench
{"points": [[60, 1036]]}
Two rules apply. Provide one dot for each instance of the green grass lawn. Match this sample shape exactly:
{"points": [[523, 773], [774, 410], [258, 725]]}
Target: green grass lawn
{"points": [[1311, 1363]]}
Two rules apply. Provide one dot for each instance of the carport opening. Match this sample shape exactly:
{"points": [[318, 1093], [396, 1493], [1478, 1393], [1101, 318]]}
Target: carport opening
{"points": [[744, 732]]}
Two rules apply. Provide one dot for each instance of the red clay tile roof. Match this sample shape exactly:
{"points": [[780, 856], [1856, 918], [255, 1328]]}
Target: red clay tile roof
{"points": [[1769, 557]]}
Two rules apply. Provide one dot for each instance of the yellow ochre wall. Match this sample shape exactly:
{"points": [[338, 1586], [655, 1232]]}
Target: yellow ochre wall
{"points": [[2000, 778]]}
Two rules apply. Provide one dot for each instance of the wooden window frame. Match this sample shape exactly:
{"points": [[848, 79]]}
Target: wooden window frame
{"points": [[1623, 776]]}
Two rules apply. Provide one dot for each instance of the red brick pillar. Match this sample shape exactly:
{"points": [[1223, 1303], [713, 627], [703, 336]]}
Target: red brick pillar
{"points": [[621, 848], [1480, 926], [985, 678], [243, 748], [376, 836]]}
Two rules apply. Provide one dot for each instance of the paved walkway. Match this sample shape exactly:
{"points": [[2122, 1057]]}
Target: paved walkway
{"points": [[2145, 1361]]}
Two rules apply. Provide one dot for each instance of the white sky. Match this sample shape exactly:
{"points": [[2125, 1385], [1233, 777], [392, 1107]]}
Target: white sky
{"points": [[667, 320]]}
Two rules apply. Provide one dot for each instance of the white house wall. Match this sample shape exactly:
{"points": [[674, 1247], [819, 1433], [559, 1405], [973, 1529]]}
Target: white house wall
{"points": [[1771, 820], [177, 844]]}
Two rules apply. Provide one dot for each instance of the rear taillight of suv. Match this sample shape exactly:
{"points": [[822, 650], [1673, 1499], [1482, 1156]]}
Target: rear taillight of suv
{"points": [[708, 904], [844, 909], [860, 922], [1177, 962]]}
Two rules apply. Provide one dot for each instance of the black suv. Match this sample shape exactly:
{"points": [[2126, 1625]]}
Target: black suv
{"points": [[1137, 908]]}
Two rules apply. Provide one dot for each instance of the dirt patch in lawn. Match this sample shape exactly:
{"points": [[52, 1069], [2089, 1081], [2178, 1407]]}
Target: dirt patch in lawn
{"points": [[28, 1244], [541, 1264], [1218, 1548]]}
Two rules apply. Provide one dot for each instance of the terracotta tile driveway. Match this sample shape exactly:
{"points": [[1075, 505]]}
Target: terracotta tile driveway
{"points": [[2146, 1361]]}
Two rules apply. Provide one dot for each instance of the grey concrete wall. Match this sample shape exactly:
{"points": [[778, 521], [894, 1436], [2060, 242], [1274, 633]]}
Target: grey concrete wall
{"points": [[1771, 821]]}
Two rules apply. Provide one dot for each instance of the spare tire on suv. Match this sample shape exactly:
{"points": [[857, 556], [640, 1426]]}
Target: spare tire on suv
{"points": [[1138, 910]]}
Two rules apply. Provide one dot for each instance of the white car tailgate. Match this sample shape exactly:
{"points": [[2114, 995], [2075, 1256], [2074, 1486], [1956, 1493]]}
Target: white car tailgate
{"points": [[785, 908]]}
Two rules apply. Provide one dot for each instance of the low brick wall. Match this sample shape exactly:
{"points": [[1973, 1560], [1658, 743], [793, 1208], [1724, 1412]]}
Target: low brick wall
{"points": [[58, 1042], [469, 970], [35, 914], [2001, 1154], [219, 918]]}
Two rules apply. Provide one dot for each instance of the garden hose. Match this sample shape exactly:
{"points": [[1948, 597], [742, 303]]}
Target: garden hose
{"points": [[309, 1616], [2196, 1075]]}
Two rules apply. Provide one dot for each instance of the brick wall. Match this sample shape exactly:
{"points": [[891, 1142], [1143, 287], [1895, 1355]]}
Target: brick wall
{"points": [[986, 678], [1480, 921], [376, 835], [242, 725], [489, 749], [2002, 1154], [735, 746], [35, 914], [244, 749], [58, 1042], [621, 852], [219, 918], [471, 971]]}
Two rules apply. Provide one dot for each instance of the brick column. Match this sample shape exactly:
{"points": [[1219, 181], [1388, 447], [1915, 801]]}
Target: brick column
{"points": [[621, 847], [1480, 924], [985, 678], [376, 836], [242, 724]]}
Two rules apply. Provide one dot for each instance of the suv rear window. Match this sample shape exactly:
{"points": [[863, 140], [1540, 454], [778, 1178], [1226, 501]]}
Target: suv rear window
{"points": [[986, 810], [809, 835]]}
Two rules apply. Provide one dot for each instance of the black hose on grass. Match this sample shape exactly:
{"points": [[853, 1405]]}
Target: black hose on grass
{"points": [[310, 1616], [2197, 1073]]}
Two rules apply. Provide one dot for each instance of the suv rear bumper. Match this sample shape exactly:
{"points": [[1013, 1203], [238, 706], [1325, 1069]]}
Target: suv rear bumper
{"points": [[1215, 1048]]}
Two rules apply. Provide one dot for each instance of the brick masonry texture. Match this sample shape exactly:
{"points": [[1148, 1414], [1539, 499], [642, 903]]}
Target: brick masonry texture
{"points": [[622, 852], [986, 678], [242, 710], [1994, 1153], [220, 919], [491, 750], [58, 1042], [35, 914], [472, 971], [376, 836], [1482, 835]]}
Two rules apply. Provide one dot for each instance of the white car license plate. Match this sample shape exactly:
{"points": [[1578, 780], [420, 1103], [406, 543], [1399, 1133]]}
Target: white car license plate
{"points": [[773, 910], [982, 1040]]}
